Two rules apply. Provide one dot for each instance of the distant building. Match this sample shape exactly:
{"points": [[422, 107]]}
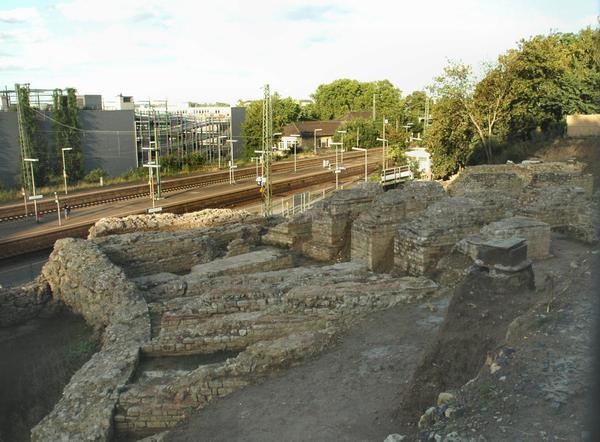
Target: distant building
{"points": [[89, 102], [321, 131], [423, 159], [125, 102]]}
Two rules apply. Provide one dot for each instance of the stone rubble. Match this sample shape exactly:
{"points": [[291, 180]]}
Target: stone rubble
{"points": [[169, 221], [215, 281]]}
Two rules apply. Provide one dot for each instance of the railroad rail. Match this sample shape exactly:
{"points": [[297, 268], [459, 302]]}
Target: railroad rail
{"points": [[20, 244], [105, 196]]}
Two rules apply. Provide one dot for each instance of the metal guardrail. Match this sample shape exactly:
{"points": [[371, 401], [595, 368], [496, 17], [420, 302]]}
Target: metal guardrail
{"points": [[395, 175]]}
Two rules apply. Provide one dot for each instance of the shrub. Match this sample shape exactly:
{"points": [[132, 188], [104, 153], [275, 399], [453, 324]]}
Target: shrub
{"points": [[94, 175]]}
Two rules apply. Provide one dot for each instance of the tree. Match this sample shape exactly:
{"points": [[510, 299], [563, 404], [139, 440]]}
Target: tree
{"points": [[339, 97], [484, 103], [552, 76], [285, 110], [450, 138], [367, 131]]}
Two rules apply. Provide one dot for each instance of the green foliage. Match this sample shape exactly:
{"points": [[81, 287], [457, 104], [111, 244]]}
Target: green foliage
{"points": [[94, 175], [35, 142], [450, 137], [525, 96], [339, 97], [67, 135], [285, 110], [552, 76], [367, 131]]}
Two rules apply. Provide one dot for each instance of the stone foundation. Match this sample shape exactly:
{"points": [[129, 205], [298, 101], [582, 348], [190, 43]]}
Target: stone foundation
{"points": [[332, 220], [373, 232], [421, 243]]}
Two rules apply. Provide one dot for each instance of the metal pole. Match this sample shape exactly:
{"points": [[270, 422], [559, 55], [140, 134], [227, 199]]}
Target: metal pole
{"points": [[383, 142], [37, 220], [57, 208], [315, 141], [342, 152], [24, 200], [64, 171], [295, 144], [366, 171]]}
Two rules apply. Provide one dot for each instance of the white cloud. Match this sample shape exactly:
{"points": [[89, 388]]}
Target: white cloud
{"points": [[203, 51], [19, 15]]}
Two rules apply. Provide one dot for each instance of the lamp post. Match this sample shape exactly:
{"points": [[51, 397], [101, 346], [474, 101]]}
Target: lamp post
{"points": [[337, 168], [34, 197], [315, 139], [342, 149], [57, 208], [383, 141], [232, 165], [296, 136], [65, 166], [384, 159]]}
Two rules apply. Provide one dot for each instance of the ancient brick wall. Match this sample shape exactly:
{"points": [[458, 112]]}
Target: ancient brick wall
{"points": [[422, 242], [537, 234], [372, 240]]}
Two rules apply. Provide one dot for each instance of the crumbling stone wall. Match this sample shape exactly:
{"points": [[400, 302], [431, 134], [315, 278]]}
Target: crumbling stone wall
{"points": [[176, 252], [513, 179], [536, 233], [292, 233], [19, 304], [422, 242], [373, 232], [169, 222], [332, 220], [83, 278], [563, 207]]}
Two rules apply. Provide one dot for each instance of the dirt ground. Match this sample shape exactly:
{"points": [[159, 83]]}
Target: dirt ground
{"points": [[349, 393], [353, 392]]}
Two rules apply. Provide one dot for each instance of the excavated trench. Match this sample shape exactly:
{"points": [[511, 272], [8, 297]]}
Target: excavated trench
{"points": [[476, 323]]}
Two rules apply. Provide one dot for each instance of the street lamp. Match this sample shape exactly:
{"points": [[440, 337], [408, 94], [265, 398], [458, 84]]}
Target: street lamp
{"points": [[296, 136], [383, 141], [33, 197], [315, 140], [65, 167], [232, 166], [337, 168], [342, 150]]}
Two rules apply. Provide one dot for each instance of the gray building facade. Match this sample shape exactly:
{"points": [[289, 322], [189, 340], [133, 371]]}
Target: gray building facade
{"points": [[108, 142]]}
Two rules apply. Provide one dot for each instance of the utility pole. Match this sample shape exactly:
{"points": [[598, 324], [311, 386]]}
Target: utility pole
{"points": [[24, 141], [383, 162], [374, 95], [267, 147]]}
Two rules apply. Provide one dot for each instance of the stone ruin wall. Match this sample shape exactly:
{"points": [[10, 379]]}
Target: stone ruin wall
{"points": [[374, 230], [331, 222], [253, 302], [271, 312]]}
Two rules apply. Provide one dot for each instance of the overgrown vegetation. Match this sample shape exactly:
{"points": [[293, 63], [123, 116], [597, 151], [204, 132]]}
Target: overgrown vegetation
{"points": [[521, 101]]}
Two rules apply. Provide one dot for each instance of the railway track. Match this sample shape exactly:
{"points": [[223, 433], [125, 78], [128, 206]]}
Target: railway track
{"points": [[99, 197], [20, 244]]}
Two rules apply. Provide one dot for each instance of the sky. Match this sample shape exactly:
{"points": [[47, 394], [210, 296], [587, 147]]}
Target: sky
{"points": [[207, 51]]}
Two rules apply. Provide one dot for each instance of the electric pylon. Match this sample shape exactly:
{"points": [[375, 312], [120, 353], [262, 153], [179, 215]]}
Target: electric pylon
{"points": [[267, 148]]}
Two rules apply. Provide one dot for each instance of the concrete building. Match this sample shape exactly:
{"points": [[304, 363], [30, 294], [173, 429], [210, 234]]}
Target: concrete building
{"points": [[107, 142]]}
